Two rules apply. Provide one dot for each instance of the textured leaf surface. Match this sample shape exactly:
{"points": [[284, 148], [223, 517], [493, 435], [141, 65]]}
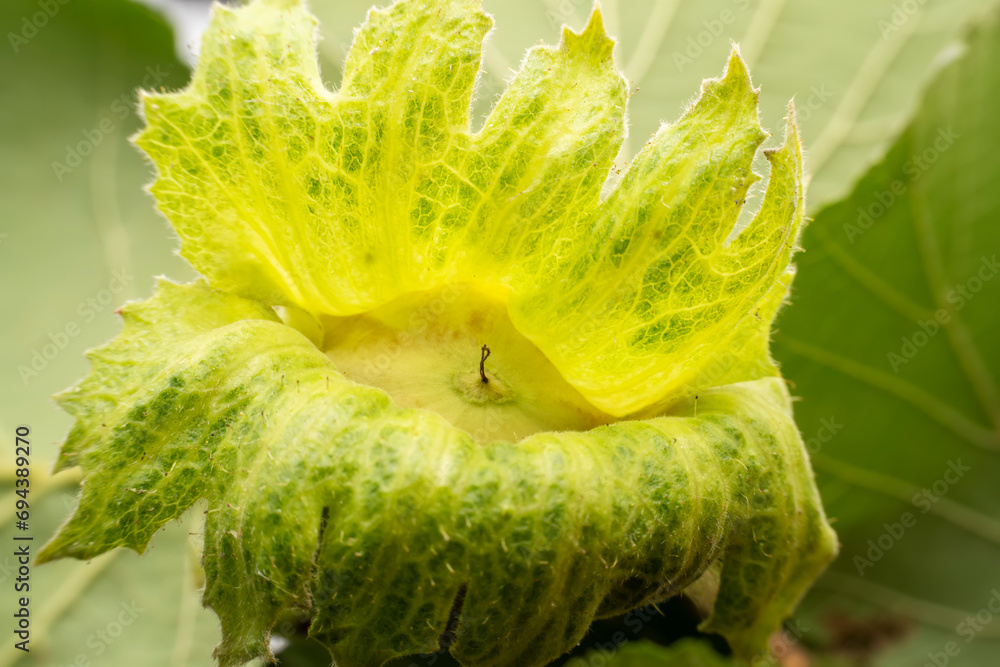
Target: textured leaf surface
{"points": [[325, 496], [339, 203], [893, 342]]}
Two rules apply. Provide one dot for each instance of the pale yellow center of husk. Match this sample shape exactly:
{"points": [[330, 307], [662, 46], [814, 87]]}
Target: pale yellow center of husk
{"points": [[424, 349]]}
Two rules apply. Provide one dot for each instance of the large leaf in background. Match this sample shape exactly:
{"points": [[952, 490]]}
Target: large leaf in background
{"points": [[892, 343], [65, 238], [854, 67]]}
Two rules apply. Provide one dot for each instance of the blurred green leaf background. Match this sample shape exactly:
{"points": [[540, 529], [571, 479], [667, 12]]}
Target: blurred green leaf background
{"points": [[877, 84]]}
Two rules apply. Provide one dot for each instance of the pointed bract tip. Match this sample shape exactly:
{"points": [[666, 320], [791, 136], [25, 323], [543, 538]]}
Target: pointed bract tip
{"points": [[593, 37], [736, 66], [596, 21], [792, 141], [791, 122], [735, 77]]}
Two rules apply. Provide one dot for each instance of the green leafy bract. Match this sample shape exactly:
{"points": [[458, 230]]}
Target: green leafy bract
{"points": [[386, 524], [325, 496]]}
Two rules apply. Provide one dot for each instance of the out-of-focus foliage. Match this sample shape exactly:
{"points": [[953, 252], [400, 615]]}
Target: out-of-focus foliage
{"points": [[74, 245], [891, 342]]}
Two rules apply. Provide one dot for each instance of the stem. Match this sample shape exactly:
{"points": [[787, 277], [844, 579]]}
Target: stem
{"points": [[482, 364]]}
